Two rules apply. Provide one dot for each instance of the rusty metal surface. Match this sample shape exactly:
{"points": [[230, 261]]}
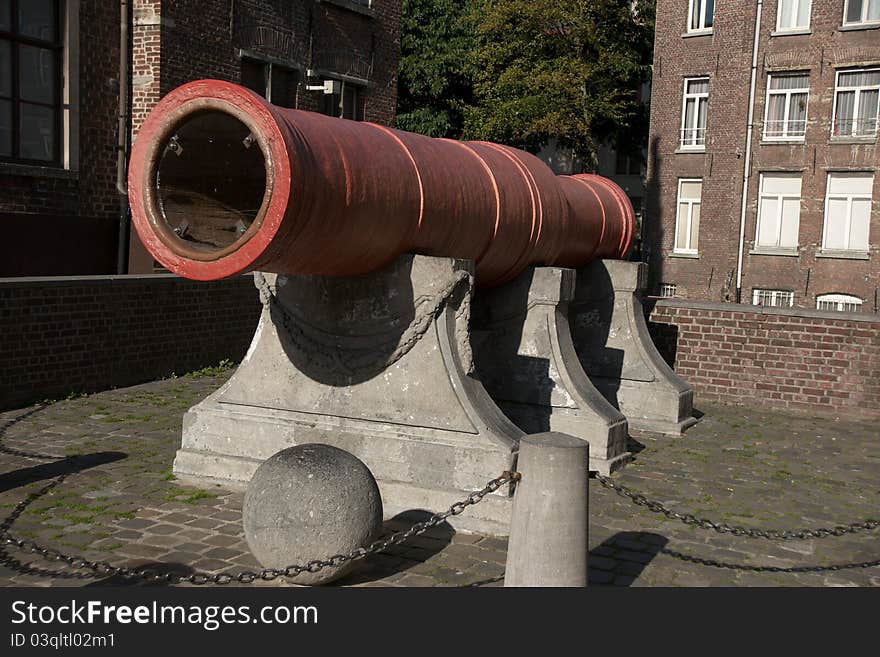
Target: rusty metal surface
{"points": [[346, 198]]}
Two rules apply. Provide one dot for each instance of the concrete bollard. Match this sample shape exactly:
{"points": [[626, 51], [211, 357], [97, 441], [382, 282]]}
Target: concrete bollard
{"points": [[550, 523]]}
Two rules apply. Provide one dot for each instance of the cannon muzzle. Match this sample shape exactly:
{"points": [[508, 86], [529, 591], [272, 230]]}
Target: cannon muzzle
{"points": [[221, 182]]}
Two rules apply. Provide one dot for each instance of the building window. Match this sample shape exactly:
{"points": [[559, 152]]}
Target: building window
{"points": [[859, 12], [847, 212], [667, 290], [773, 298], [793, 15], [844, 303], [274, 82], [779, 209], [344, 103], [786, 113], [701, 15], [687, 220], [856, 101], [693, 114], [627, 165], [31, 52]]}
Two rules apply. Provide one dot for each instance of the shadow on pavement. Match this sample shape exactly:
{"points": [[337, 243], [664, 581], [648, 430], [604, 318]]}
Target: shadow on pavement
{"points": [[398, 558], [620, 559], [60, 468]]}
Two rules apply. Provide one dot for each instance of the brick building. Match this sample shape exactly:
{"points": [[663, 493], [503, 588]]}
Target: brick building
{"points": [[63, 72], [785, 213]]}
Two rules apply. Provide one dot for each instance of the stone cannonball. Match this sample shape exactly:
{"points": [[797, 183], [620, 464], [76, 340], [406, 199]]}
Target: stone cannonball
{"points": [[311, 502]]}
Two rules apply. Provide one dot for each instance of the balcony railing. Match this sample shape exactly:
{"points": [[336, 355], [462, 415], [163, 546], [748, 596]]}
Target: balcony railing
{"points": [[848, 127], [343, 62], [782, 129], [693, 137]]}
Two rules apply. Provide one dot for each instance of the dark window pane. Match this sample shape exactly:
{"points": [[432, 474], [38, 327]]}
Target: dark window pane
{"points": [[710, 12], [36, 18], [37, 132], [350, 104], [283, 87], [253, 76], [5, 128], [36, 68], [5, 15], [5, 68], [854, 11], [331, 105]]}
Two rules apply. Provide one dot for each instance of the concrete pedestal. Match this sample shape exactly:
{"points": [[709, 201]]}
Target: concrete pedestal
{"points": [[376, 365], [549, 530], [526, 360], [612, 341]]}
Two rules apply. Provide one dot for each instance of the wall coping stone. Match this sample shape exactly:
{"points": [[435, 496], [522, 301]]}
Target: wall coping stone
{"points": [[871, 318]]}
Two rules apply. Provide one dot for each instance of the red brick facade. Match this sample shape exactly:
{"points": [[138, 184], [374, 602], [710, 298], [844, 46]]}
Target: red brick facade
{"points": [[172, 42], [724, 56], [807, 360]]}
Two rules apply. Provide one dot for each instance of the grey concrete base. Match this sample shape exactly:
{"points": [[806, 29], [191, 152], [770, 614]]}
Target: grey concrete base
{"points": [[375, 365], [612, 341], [525, 358], [550, 526]]}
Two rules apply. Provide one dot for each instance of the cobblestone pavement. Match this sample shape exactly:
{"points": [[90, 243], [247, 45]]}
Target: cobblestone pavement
{"points": [[120, 502]]}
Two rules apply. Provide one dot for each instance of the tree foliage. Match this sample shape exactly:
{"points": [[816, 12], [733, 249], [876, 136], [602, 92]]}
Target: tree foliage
{"points": [[564, 69], [435, 76], [522, 72]]}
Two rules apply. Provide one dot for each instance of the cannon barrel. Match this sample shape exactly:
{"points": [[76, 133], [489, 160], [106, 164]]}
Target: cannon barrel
{"points": [[221, 182]]}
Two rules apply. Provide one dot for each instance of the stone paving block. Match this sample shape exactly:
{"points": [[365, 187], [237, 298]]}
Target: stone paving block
{"points": [[194, 534], [141, 550], [210, 565], [601, 563], [136, 523], [599, 577], [222, 553], [160, 540]]}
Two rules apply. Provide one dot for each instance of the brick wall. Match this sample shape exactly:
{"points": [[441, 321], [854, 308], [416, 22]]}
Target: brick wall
{"points": [[724, 56], [827, 363], [83, 334]]}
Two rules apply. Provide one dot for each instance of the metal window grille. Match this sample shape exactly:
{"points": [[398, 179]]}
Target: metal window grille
{"points": [[845, 303], [773, 298]]}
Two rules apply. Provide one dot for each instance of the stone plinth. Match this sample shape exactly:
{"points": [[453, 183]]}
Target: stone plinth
{"points": [[377, 365], [612, 341], [527, 362]]}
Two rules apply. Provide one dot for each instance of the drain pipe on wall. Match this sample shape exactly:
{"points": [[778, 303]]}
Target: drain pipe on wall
{"points": [[123, 136], [748, 154]]}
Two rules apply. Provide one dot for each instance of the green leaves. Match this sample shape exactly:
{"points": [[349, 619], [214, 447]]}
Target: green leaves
{"points": [[564, 69], [523, 72]]}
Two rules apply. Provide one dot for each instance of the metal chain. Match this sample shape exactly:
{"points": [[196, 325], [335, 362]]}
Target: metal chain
{"points": [[768, 569], [332, 356], [150, 573], [723, 528]]}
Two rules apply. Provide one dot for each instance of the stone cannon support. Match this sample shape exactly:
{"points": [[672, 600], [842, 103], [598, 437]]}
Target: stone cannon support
{"points": [[612, 341], [526, 360], [550, 525], [376, 365]]}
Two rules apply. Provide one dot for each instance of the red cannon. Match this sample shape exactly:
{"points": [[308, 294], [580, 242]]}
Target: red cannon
{"points": [[222, 182]]}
